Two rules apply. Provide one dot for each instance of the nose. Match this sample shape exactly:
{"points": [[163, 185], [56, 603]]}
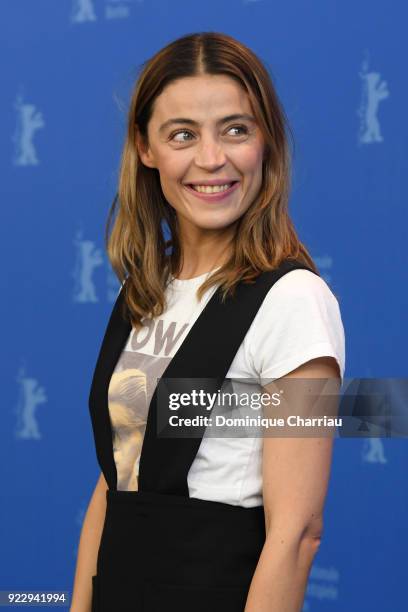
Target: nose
{"points": [[210, 154]]}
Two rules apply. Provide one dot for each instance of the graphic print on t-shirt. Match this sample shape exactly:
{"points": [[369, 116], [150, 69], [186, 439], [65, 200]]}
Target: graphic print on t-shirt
{"points": [[131, 389]]}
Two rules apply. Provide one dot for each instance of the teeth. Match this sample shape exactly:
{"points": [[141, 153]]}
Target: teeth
{"points": [[211, 188]]}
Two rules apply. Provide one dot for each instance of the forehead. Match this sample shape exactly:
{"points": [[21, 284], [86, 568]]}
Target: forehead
{"points": [[200, 98]]}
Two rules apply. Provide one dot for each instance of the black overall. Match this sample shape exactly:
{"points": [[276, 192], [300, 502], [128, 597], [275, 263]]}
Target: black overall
{"points": [[160, 549]]}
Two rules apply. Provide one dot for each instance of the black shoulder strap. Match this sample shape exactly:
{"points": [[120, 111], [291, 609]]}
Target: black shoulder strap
{"points": [[113, 342]]}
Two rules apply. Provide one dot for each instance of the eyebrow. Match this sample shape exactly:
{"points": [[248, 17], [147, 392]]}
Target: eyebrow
{"points": [[186, 121]]}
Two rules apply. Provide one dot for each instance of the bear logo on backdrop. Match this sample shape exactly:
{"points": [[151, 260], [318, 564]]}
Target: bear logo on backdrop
{"points": [[374, 91], [29, 121], [84, 11], [88, 259], [373, 451], [31, 395]]}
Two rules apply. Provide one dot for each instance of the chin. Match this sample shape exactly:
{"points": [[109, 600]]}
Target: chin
{"points": [[212, 224]]}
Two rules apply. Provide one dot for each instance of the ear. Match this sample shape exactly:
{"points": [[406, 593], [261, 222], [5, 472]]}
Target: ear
{"points": [[143, 150]]}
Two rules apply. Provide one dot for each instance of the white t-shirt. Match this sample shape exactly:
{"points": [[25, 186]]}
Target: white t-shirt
{"points": [[298, 320]]}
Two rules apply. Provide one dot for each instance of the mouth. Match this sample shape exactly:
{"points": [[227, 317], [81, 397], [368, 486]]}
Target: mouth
{"points": [[212, 192]]}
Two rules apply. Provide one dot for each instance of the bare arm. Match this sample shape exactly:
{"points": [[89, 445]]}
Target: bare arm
{"points": [[295, 480], [88, 548]]}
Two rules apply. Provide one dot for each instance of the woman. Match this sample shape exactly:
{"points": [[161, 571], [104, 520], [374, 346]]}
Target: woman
{"points": [[195, 521]]}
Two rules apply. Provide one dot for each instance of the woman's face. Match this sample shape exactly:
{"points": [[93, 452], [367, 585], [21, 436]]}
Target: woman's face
{"points": [[202, 131]]}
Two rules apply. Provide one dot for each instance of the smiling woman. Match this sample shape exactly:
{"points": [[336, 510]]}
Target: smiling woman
{"points": [[193, 521]]}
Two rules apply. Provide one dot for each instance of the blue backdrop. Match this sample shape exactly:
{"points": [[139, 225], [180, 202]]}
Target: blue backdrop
{"points": [[67, 72]]}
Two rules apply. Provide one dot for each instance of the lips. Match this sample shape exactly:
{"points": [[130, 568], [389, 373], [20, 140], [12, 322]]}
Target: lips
{"points": [[216, 196], [195, 185], [207, 183]]}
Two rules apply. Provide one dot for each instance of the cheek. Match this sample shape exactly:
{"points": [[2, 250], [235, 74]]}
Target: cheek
{"points": [[170, 166], [169, 171], [251, 160]]}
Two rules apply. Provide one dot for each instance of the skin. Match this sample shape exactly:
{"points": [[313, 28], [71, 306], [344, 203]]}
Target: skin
{"points": [[88, 547], [183, 153], [295, 476]]}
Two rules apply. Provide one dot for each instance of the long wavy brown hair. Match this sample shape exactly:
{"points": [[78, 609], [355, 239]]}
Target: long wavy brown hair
{"points": [[140, 255]]}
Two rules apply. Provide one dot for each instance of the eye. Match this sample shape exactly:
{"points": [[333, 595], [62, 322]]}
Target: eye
{"points": [[239, 127], [179, 132]]}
